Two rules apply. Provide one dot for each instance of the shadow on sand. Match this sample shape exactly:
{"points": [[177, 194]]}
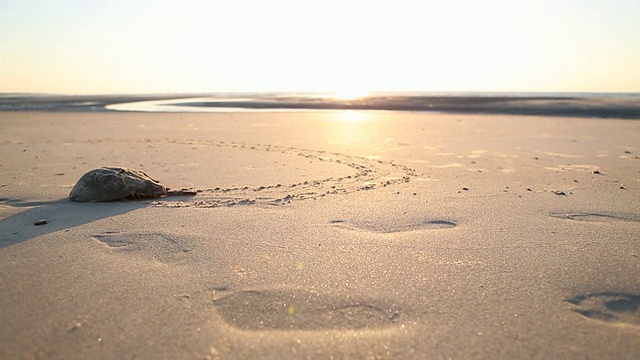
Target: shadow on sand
{"points": [[59, 215]]}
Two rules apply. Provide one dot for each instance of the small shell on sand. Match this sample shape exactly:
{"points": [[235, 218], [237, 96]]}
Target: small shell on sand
{"points": [[116, 183]]}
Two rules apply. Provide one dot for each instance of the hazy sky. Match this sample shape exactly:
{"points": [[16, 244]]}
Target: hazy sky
{"points": [[128, 46]]}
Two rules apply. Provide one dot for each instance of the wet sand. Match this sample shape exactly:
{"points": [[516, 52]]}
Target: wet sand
{"points": [[322, 235]]}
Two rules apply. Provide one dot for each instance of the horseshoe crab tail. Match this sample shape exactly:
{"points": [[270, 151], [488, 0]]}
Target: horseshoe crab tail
{"points": [[181, 192]]}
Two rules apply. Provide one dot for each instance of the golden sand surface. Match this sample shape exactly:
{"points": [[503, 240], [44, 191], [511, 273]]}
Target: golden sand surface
{"points": [[369, 235]]}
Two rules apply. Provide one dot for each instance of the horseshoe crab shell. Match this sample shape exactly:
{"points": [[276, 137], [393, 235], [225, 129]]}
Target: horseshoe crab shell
{"points": [[116, 183]]}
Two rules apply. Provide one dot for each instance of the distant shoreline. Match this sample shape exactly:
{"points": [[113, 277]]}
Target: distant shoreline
{"points": [[623, 106]]}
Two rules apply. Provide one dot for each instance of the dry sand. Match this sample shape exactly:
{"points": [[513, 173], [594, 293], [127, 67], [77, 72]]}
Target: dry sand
{"points": [[322, 235]]}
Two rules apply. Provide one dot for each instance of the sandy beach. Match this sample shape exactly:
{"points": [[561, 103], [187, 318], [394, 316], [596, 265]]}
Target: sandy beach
{"points": [[322, 235]]}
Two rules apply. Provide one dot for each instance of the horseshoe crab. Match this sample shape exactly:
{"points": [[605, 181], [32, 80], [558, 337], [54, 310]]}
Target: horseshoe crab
{"points": [[116, 183]]}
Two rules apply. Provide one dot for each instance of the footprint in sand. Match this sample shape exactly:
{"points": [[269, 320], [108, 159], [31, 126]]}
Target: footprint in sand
{"points": [[394, 225], [609, 307], [161, 247], [593, 217], [302, 310]]}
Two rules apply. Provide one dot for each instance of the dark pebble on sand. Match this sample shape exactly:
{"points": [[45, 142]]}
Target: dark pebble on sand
{"points": [[597, 172], [560, 193], [41, 222], [465, 188]]}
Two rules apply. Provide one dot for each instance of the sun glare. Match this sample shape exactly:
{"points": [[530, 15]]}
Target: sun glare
{"points": [[351, 116], [350, 94]]}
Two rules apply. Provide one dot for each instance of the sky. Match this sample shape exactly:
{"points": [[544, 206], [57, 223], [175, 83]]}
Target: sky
{"points": [[348, 47]]}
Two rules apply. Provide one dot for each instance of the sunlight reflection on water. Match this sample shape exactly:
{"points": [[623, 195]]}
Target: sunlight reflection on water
{"points": [[174, 106], [182, 105]]}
